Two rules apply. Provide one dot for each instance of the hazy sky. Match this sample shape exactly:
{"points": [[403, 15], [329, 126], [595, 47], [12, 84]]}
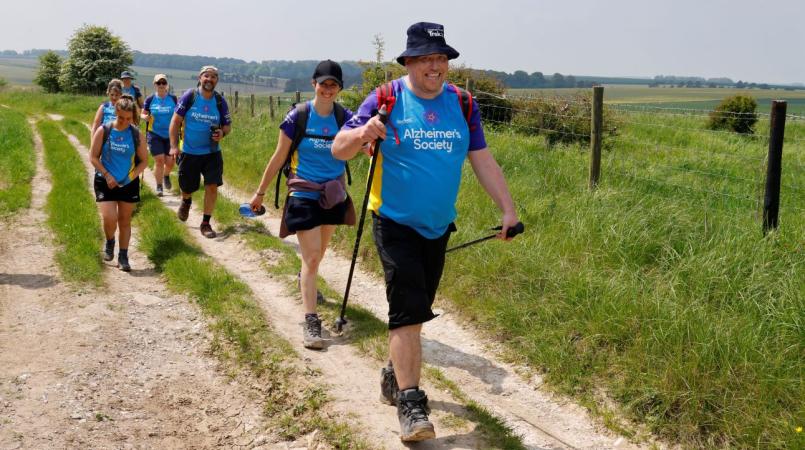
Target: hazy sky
{"points": [[761, 41]]}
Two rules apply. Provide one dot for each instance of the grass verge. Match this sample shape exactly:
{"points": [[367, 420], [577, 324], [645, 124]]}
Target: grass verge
{"points": [[17, 162], [71, 209], [241, 331]]}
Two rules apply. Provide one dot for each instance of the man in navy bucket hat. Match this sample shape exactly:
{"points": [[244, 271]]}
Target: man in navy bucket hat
{"points": [[428, 135]]}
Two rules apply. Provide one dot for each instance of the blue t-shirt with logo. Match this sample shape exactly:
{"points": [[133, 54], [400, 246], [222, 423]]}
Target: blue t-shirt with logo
{"points": [[313, 160], [117, 154], [132, 90], [109, 113], [161, 110], [417, 179], [198, 120]]}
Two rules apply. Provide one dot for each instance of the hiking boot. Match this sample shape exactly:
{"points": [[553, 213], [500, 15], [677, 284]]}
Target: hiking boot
{"points": [[311, 335], [184, 211], [206, 230], [388, 386], [159, 190], [109, 251], [412, 407], [167, 183], [123, 263], [319, 295]]}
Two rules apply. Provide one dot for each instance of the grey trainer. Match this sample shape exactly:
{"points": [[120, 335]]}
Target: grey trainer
{"points": [[388, 386], [311, 334], [109, 250], [412, 407], [167, 182], [123, 263]]}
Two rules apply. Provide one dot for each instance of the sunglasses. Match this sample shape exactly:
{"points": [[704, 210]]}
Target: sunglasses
{"points": [[161, 83]]}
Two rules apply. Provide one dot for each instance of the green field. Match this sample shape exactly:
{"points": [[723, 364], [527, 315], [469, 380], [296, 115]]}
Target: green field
{"points": [[683, 98]]}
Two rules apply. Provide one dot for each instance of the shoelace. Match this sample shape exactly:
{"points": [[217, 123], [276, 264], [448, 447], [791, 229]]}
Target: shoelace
{"points": [[314, 327], [414, 411]]}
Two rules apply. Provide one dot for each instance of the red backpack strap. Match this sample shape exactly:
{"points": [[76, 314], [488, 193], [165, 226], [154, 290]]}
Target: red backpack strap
{"points": [[465, 103]]}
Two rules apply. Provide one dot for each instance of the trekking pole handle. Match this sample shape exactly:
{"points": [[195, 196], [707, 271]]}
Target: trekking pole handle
{"points": [[519, 228]]}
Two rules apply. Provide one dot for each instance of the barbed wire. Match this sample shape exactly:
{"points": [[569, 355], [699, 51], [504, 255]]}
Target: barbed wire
{"points": [[686, 115], [695, 111], [698, 172], [547, 130], [698, 130], [686, 188], [536, 113], [657, 145]]}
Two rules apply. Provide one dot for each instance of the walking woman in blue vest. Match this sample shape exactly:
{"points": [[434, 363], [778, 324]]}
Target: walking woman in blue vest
{"points": [[317, 200], [117, 184], [157, 113], [106, 110]]}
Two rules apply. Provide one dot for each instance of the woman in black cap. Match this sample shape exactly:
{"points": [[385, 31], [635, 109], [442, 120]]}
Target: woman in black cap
{"points": [[317, 200]]}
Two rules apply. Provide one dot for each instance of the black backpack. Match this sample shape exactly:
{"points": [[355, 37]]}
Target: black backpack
{"points": [[300, 132], [219, 103]]}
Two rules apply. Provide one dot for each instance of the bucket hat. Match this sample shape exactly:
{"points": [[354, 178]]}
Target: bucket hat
{"points": [[426, 38]]}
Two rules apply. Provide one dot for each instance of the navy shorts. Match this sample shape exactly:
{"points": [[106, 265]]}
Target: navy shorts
{"points": [[305, 214], [129, 193], [192, 167], [413, 266], [157, 144]]}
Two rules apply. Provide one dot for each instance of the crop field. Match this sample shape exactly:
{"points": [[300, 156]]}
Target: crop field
{"points": [[683, 98]]}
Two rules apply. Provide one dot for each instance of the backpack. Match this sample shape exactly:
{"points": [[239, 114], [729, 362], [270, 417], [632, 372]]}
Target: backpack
{"points": [[300, 132], [135, 136], [386, 96]]}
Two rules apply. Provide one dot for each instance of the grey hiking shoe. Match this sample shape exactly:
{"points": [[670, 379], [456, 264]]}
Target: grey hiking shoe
{"points": [[167, 182], [109, 251], [412, 405], [183, 212], [388, 385], [123, 263], [159, 190], [311, 334], [319, 295]]}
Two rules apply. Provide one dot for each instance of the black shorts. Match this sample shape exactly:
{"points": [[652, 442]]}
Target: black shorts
{"points": [[129, 193], [305, 214], [413, 266], [157, 144], [191, 167]]}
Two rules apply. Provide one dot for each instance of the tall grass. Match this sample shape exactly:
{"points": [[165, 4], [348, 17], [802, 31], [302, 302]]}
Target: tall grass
{"points": [[17, 162], [72, 213]]}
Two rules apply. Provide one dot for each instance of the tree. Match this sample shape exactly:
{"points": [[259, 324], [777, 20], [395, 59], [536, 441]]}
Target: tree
{"points": [[95, 56], [380, 48], [49, 70]]}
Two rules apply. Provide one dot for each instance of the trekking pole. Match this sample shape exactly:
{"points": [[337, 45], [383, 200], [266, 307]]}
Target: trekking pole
{"points": [[511, 232], [341, 321]]}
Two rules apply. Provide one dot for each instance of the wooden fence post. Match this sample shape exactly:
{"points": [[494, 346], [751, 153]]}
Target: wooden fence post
{"points": [[771, 199], [298, 96], [236, 101], [251, 104], [469, 85], [271, 106], [597, 123]]}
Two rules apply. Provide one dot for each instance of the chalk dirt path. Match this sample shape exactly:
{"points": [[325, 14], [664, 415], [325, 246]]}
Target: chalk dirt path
{"points": [[121, 366]]}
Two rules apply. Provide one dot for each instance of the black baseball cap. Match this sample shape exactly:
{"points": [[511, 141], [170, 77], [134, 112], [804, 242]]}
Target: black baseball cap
{"points": [[328, 70], [426, 38]]}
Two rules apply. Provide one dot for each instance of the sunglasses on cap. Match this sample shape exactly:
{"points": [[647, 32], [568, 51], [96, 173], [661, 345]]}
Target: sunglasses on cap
{"points": [[161, 82]]}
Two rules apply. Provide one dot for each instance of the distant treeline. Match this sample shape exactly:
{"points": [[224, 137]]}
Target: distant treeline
{"points": [[295, 75]]}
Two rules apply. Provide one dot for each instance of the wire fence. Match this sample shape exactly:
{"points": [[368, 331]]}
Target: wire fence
{"points": [[667, 148]]}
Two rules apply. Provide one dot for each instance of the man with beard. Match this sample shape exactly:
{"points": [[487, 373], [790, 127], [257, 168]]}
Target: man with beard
{"points": [[203, 116], [427, 138]]}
